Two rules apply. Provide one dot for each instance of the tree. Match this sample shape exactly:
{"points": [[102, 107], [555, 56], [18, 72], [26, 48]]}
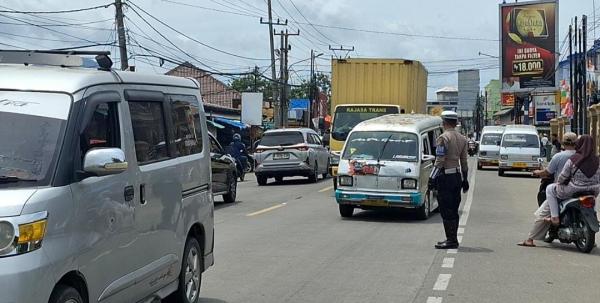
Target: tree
{"points": [[322, 83], [252, 83]]}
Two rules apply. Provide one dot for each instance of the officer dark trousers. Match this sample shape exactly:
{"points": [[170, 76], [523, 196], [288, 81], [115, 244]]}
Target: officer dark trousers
{"points": [[449, 196]]}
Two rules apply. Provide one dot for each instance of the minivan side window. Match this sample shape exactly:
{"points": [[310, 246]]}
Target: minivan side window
{"points": [[185, 113], [426, 145], [102, 130], [149, 131]]}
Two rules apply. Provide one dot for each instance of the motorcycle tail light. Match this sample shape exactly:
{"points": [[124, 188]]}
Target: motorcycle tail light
{"points": [[587, 202]]}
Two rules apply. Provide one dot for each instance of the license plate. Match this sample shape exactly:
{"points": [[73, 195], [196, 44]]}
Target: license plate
{"points": [[281, 156], [374, 203], [520, 165]]}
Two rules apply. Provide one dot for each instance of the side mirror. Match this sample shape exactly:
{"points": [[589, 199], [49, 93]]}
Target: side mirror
{"points": [[427, 158], [104, 162]]}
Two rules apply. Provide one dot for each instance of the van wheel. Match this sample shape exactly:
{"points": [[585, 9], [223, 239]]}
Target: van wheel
{"points": [[314, 177], [190, 277], [424, 211], [230, 196], [326, 171], [261, 180], [500, 172], [334, 183], [65, 294], [346, 211]]}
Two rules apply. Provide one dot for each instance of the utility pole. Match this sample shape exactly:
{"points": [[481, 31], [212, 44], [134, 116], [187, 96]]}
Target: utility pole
{"points": [[575, 87], [584, 100], [571, 70], [121, 33], [311, 88], [285, 75], [270, 22], [342, 49]]}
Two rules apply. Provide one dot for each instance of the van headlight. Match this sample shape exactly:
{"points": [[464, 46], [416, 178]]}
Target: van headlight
{"points": [[483, 153], [23, 234], [409, 184], [504, 157], [345, 180], [535, 158]]}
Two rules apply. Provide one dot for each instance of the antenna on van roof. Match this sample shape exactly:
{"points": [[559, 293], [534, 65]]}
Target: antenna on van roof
{"points": [[62, 58]]}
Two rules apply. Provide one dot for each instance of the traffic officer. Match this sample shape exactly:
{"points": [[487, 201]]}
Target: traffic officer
{"points": [[449, 176]]}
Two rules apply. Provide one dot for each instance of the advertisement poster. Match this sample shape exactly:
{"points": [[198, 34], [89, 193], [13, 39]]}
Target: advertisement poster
{"points": [[545, 109], [528, 45], [508, 99]]}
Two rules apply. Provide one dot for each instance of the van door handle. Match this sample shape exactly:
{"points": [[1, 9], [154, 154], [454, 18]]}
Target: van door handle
{"points": [[128, 193], [143, 194]]}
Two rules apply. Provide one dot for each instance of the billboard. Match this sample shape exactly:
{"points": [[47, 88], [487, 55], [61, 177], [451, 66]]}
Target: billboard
{"points": [[252, 108], [545, 109], [528, 45]]}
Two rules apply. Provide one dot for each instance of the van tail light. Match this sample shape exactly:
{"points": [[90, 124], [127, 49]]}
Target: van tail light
{"points": [[587, 201]]}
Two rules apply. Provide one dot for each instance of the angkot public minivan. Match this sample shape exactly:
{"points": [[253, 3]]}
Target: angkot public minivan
{"points": [[519, 149], [489, 149], [386, 163], [105, 189]]}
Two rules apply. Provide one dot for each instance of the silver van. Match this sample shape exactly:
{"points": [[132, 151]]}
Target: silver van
{"points": [[105, 189], [489, 149], [386, 163]]}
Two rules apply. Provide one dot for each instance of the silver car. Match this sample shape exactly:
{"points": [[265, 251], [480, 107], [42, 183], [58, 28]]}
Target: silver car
{"points": [[105, 186], [291, 152]]}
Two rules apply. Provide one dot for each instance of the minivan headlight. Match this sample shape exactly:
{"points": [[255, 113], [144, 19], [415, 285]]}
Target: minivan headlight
{"points": [[483, 153], [409, 184], [504, 157], [345, 180], [535, 158], [7, 236]]}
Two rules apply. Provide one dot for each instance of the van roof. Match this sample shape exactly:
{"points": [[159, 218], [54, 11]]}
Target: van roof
{"points": [[74, 79], [400, 122], [512, 129], [493, 129]]}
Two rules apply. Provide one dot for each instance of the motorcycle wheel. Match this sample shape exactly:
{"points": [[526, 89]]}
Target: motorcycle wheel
{"points": [[586, 243]]}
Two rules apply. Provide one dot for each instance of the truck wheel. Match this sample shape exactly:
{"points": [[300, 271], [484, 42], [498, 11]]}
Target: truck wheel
{"points": [[346, 211], [65, 294]]}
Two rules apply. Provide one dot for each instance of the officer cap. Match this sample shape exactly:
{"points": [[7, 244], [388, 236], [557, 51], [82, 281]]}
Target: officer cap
{"points": [[449, 115]]}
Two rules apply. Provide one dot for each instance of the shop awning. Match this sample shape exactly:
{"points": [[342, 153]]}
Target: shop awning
{"points": [[503, 112], [215, 124], [230, 122]]}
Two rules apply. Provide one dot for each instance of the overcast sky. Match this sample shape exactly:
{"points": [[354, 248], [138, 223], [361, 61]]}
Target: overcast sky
{"points": [[233, 26]]}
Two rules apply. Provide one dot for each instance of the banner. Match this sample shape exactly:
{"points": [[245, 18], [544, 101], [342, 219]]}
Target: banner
{"points": [[528, 45], [252, 108], [545, 109], [508, 99]]}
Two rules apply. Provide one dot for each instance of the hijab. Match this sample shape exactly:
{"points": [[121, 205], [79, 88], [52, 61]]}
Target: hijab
{"points": [[585, 158]]}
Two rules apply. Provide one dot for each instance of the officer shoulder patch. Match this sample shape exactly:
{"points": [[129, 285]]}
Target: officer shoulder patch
{"points": [[440, 150]]}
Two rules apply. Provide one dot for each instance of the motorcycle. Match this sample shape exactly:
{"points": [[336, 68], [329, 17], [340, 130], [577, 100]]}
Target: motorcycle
{"points": [[472, 148], [578, 222], [249, 163]]}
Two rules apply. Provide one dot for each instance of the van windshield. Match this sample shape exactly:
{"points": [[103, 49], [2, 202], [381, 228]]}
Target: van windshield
{"points": [[284, 138], [521, 140], [389, 146], [32, 126], [491, 139]]}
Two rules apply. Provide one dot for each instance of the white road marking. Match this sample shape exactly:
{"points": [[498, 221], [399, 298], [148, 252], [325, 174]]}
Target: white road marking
{"points": [[326, 189], [448, 263], [467, 208], [452, 251], [442, 282], [461, 230], [260, 212], [434, 300], [460, 238]]}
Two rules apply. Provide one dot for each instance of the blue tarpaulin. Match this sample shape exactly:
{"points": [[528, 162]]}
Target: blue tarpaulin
{"points": [[230, 122], [299, 103]]}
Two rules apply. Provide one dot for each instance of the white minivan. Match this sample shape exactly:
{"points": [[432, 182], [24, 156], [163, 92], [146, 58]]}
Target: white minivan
{"points": [[489, 149], [105, 182], [519, 149], [386, 163]]}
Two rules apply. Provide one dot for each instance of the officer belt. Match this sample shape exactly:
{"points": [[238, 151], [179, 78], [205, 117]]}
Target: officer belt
{"points": [[450, 171]]}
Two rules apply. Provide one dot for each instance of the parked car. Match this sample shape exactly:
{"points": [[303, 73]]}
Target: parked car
{"points": [[290, 152], [224, 172], [104, 183]]}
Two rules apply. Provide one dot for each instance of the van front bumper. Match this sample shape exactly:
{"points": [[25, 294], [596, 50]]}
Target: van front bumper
{"points": [[487, 161], [25, 278], [519, 165], [376, 200]]}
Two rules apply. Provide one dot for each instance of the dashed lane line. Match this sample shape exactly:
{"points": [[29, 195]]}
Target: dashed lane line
{"points": [[434, 300], [442, 282], [266, 210], [448, 263]]}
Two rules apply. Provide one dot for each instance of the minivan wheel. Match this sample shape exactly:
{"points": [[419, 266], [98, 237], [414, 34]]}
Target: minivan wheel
{"points": [[346, 211], [230, 196], [314, 177], [424, 211], [190, 277], [65, 294], [261, 180], [500, 172]]}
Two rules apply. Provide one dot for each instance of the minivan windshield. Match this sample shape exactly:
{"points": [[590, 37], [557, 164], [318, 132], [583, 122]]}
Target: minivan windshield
{"points": [[284, 138], [521, 140], [491, 139], [32, 126], [389, 146]]}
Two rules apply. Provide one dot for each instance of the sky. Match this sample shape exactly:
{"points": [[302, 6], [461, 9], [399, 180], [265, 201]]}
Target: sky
{"points": [[226, 35]]}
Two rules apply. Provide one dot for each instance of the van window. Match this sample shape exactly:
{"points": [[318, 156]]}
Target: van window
{"points": [[521, 140], [185, 112], [102, 130], [285, 138], [390, 146], [491, 139], [426, 146], [149, 131]]}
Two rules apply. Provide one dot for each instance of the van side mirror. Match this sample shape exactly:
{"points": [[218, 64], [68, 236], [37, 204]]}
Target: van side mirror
{"points": [[104, 162], [427, 158]]}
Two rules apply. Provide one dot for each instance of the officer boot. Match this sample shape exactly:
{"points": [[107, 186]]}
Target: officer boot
{"points": [[451, 229]]}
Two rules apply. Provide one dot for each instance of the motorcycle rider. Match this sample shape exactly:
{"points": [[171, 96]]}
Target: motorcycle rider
{"points": [[237, 149]]}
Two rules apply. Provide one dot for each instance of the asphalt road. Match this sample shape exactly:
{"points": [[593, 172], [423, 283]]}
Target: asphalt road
{"points": [[285, 242]]}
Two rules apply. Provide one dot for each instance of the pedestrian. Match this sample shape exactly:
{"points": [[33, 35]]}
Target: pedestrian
{"points": [[449, 176], [544, 140], [556, 148]]}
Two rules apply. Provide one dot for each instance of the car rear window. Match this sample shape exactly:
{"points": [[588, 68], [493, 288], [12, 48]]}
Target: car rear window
{"points": [[282, 138]]}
